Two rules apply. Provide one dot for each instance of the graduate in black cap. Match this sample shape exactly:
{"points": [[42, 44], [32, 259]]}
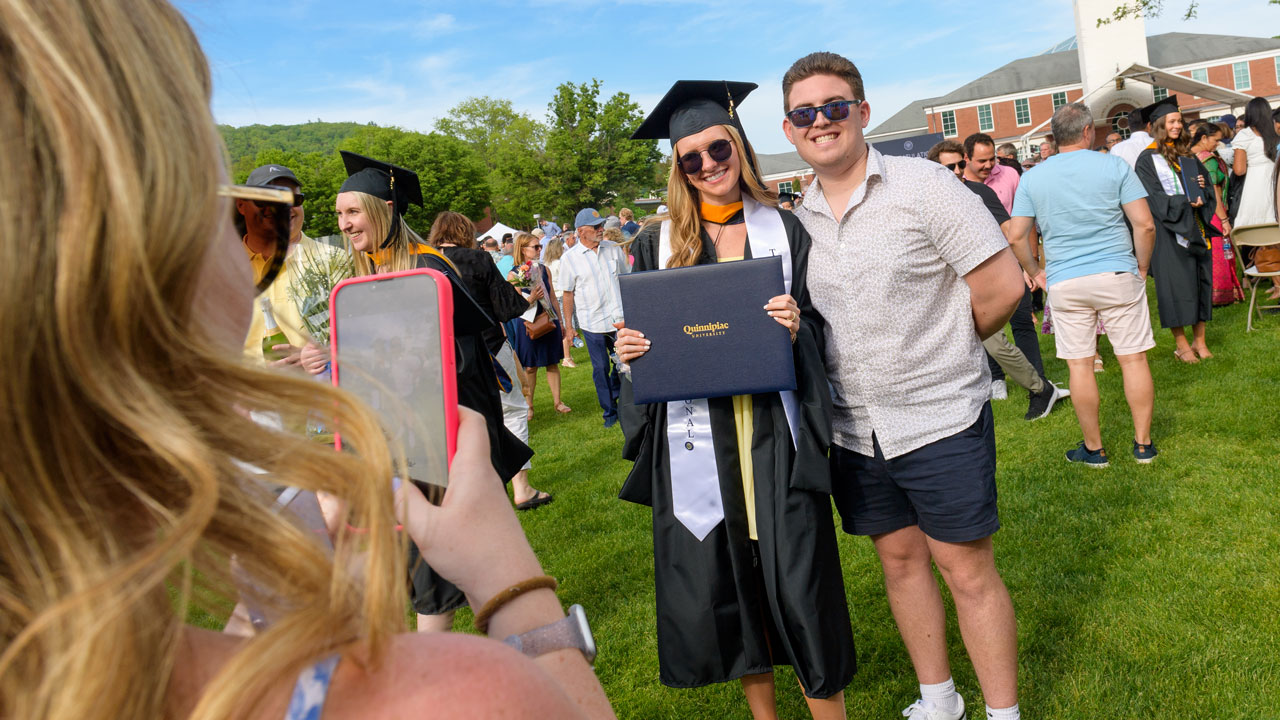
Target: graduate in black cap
{"points": [[1181, 262], [370, 206], [756, 583]]}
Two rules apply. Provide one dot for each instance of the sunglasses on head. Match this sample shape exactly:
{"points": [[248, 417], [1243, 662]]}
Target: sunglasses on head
{"points": [[719, 151], [952, 166], [275, 202], [835, 111]]}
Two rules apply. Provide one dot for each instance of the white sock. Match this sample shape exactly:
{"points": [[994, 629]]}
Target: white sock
{"points": [[942, 695], [1009, 713]]}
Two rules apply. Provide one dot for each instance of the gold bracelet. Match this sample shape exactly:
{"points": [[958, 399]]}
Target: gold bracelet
{"points": [[505, 596]]}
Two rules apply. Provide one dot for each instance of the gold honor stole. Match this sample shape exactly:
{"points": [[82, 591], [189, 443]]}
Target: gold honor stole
{"points": [[695, 480]]}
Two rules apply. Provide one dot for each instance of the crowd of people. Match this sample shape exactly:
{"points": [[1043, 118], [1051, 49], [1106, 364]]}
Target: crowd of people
{"points": [[172, 441]]}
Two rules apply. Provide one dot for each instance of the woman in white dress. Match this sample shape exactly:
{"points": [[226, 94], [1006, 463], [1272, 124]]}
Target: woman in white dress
{"points": [[1255, 156]]}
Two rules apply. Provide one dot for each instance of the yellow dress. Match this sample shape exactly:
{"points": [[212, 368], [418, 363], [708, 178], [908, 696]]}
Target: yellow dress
{"points": [[745, 424]]}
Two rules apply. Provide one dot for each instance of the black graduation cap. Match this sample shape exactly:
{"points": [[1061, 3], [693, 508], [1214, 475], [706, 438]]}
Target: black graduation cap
{"points": [[1158, 109], [788, 197], [381, 180], [691, 106]]}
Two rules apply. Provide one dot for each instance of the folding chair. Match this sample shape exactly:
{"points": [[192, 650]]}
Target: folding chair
{"points": [[1260, 235]]}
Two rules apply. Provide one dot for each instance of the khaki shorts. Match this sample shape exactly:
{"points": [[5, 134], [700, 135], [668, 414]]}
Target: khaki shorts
{"points": [[1120, 299]]}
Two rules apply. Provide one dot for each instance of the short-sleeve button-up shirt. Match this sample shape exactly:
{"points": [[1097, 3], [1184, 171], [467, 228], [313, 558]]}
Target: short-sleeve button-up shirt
{"points": [[1004, 180], [903, 357], [592, 276]]}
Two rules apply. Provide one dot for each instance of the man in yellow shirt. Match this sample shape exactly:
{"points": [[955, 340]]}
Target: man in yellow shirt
{"points": [[302, 351]]}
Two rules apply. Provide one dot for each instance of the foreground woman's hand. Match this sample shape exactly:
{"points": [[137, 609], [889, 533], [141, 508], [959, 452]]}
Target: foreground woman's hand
{"points": [[783, 308], [473, 538], [630, 344]]}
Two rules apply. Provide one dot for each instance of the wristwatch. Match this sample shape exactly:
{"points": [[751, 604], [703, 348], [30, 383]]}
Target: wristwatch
{"points": [[572, 631]]}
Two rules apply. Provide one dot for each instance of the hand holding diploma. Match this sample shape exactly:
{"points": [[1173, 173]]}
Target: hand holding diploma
{"points": [[631, 344]]}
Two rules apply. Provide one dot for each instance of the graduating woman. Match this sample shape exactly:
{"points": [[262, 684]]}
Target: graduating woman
{"points": [[760, 584], [1181, 262], [370, 206]]}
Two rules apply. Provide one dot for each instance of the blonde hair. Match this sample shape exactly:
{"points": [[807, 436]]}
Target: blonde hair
{"points": [[554, 250], [124, 417], [517, 251], [399, 254], [683, 203]]}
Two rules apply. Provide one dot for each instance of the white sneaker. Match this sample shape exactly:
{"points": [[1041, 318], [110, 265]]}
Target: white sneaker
{"points": [[999, 390], [926, 710]]}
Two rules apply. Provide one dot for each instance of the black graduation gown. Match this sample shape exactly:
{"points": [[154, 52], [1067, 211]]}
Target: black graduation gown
{"points": [[1183, 276], [478, 390], [728, 606]]}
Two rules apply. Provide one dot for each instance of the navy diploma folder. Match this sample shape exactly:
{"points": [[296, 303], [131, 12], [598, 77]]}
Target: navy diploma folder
{"points": [[710, 332], [1190, 183]]}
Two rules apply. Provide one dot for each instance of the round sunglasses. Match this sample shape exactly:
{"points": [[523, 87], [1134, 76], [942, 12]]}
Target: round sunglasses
{"points": [[834, 111], [718, 151]]}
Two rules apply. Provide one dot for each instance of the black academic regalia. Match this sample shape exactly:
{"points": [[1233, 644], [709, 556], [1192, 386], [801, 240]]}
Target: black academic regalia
{"points": [[1183, 276], [478, 390], [728, 606]]}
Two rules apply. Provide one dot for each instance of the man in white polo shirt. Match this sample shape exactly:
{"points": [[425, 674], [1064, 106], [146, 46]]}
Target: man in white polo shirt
{"points": [[589, 278], [911, 273]]}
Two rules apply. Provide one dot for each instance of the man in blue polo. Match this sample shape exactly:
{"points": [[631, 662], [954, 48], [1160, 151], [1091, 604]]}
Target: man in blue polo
{"points": [[589, 278]]}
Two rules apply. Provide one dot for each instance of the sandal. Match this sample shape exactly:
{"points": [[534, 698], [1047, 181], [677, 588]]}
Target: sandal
{"points": [[1098, 366], [1189, 354], [562, 408], [539, 499], [569, 363]]}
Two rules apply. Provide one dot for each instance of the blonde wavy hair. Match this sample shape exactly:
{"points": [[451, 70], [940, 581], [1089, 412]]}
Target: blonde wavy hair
{"points": [[683, 203], [397, 256], [124, 418]]}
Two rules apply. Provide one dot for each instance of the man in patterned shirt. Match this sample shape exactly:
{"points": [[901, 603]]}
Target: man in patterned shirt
{"points": [[911, 273]]}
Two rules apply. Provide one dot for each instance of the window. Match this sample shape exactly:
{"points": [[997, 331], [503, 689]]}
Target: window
{"points": [[1277, 59], [1241, 72], [1202, 74], [1159, 92], [785, 187], [949, 123], [1022, 110], [1059, 99], [985, 122]]}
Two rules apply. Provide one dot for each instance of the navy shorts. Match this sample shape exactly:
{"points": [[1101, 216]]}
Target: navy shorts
{"points": [[947, 487]]}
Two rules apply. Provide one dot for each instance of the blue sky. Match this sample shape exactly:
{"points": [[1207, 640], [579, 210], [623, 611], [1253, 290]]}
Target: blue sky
{"points": [[406, 63]]}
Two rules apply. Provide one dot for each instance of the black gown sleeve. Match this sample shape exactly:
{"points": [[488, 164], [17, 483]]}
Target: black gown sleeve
{"points": [[639, 421], [507, 300], [810, 469]]}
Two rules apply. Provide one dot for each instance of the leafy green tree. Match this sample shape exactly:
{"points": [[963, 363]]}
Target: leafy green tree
{"points": [[590, 158], [510, 144], [1151, 9]]}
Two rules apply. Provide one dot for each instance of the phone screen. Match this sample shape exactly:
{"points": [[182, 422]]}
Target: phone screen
{"points": [[387, 339]]}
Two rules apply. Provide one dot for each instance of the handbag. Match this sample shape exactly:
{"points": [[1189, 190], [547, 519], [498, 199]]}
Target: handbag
{"points": [[540, 326], [1267, 258]]}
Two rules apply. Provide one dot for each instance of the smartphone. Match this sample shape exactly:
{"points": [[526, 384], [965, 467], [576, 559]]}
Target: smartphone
{"points": [[392, 347]]}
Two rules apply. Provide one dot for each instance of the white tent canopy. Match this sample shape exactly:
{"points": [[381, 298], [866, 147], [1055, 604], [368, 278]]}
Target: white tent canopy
{"points": [[497, 231], [1185, 85]]}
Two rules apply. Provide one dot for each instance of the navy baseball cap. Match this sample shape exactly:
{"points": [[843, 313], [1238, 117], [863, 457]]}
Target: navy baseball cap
{"points": [[1228, 120], [267, 174], [588, 216]]}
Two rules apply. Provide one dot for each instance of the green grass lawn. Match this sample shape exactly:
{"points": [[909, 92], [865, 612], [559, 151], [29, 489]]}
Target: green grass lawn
{"points": [[1141, 591]]}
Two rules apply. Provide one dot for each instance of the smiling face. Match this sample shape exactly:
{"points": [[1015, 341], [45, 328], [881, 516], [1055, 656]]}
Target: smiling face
{"points": [[830, 146], [355, 223], [716, 182], [982, 161], [1173, 125]]}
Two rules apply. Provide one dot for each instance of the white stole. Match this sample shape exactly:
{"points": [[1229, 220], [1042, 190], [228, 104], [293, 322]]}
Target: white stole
{"points": [[1169, 182], [695, 481]]}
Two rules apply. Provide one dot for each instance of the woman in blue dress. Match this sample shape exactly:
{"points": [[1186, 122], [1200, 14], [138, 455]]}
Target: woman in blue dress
{"points": [[547, 350]]}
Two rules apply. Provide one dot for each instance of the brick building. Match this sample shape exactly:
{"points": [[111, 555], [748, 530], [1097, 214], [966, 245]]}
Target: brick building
{"points": [[1014, 103]]}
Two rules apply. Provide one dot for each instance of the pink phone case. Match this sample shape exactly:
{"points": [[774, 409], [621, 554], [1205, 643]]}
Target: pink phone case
{"points": [[449, 371]]}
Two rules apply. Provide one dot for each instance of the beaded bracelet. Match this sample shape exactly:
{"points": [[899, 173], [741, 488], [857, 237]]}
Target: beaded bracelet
{"points": [[505, 596]]}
